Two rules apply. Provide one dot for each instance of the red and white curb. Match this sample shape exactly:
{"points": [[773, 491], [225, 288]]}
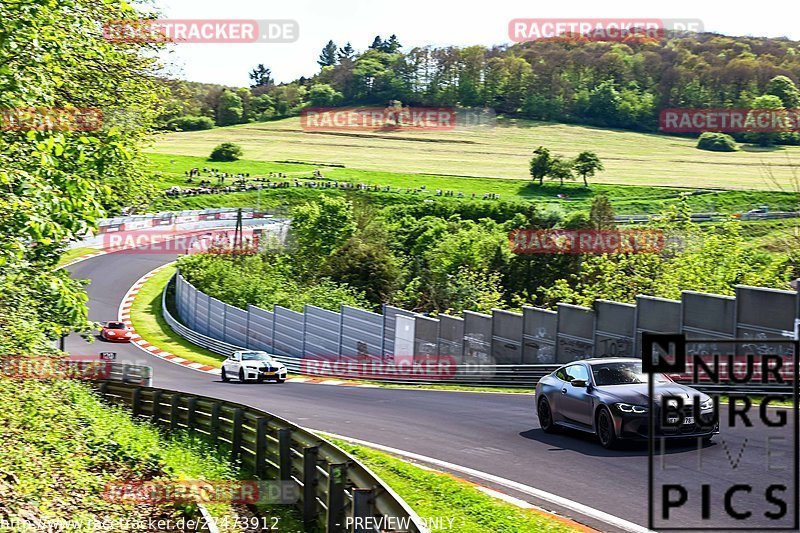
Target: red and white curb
{"points": [[137, 340]]}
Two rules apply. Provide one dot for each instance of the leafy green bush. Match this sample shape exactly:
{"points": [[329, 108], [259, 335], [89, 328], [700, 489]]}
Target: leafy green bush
{"points": [[716, 142], [190, 123], [62, 447], [226, 152], [264, 280]]}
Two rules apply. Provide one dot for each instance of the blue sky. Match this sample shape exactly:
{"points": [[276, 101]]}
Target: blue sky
{"points": [[425, 22]]}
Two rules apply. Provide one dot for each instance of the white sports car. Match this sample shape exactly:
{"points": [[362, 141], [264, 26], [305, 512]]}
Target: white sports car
{"points": [[258, 366]]}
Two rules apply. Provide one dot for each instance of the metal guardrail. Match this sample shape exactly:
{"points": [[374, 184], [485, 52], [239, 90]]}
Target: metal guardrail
{"points": [[333, 486], [476, 374], [131, 374]]}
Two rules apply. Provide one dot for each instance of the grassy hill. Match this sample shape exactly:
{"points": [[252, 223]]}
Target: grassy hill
{"points": [[503, 151]]}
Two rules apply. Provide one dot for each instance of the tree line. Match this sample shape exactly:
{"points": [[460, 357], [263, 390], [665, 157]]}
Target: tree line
{"points": [[609, 84]]}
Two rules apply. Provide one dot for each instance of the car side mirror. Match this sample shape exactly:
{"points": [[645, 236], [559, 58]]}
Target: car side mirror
{"points": [[579, 383]]}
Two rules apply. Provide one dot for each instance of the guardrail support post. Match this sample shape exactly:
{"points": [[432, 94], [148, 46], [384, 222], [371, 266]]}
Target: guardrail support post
{"points": [[261, 447], [285, 453], [136, 401], [103, 388], [191, 416], [363, 502], [310, 481], [236, 439], [337, 473], [174, 411], [214, 433], [156, 414]]}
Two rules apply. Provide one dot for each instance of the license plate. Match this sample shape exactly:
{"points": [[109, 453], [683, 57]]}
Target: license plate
{"points": [[268, 373], [688, 420]]}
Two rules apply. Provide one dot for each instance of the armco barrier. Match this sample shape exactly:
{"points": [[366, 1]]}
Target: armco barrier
{"points": [[334, 488]]}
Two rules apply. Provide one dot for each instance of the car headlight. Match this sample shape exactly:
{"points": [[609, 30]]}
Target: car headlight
{"points": [[628, 408], [707, 405], [111, 333]]}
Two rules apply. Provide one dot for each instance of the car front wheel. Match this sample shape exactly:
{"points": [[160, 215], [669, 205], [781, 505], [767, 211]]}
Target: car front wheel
{"points": [[545, 416], [242, 377], [605, 429]]}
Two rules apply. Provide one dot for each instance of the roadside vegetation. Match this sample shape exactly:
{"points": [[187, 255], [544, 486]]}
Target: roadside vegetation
{"points": [[448, 258], [62, 451], [436, 495]]}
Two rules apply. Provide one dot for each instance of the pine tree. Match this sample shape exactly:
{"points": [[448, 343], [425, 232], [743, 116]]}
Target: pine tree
{"points": [[261, 76], [347, 52], [377, 43], [392, 45], [601, 214], [328, 56]]}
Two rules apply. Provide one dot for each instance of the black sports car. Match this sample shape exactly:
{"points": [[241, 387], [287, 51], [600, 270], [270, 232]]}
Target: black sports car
{"points": [[609, 397]]}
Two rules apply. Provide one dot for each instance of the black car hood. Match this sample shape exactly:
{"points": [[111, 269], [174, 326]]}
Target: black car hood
{"points": [[637, 394]]}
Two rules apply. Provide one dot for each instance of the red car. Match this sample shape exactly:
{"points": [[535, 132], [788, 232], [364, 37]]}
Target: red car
{"points": [[115, 332]]}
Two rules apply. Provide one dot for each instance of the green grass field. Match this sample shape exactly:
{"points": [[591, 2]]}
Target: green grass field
{"points": [[500, 152], [627, 199]]}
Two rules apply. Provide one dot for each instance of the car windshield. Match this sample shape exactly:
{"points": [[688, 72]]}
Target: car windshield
{"points": [[622, 373], [115, 325], [255, 356]]}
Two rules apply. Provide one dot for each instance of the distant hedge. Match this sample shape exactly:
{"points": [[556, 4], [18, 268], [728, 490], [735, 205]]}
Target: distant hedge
{"points": [[190, 123], [716, 142]]}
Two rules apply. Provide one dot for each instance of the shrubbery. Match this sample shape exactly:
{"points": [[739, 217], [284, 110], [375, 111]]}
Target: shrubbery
{"points": [[190, 123], [226, 152], [716, 142]]}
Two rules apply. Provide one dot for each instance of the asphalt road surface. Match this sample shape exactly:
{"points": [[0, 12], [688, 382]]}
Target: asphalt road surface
{"points": [[493, 433]]}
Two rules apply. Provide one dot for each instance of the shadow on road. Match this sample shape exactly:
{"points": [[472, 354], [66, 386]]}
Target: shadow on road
{"points": [[587, 444]]}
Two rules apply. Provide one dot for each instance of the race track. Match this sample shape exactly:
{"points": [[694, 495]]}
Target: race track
{"points": [[493, 433]]}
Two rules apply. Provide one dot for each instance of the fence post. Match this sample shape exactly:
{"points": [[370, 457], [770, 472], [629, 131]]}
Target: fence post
{"points": [[261, 447], [363, 500], [191, 415], [236, 439], [154, 416], [310, 481], [285, 453], [214, 433], [103, 388], [136, 401], [336, 476], [174, 411]]}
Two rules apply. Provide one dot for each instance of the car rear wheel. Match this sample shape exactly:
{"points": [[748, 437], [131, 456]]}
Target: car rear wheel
{"points": [[545, 416], [605, 429], [224, 376]]}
